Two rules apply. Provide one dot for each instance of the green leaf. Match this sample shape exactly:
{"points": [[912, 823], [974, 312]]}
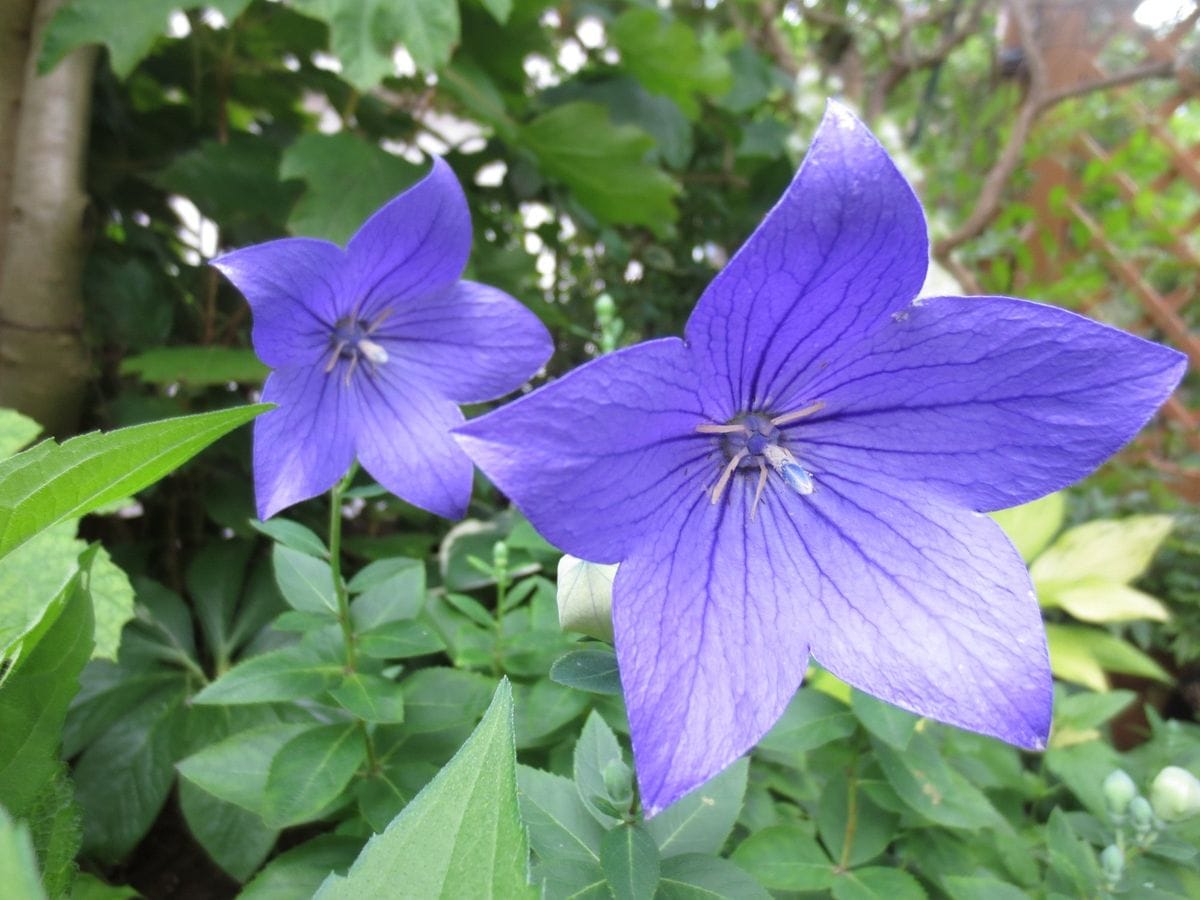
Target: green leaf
{"points": [[112, 601], [603, 164], [371, 698], [877, 883], [785, 858], [1073, 865], [1032, 526], [292, 535], [1096, 600], [892, 725], [55, 826], [700, 821], [542, 708], [311, 771], [500, 10], [1085, 710], [16, 431], [666, 57], [1117, 550], [930, 787], [400, 640], [697, 877], [853, 829], [128, 30], [596, 749], [35, 696], [305, 581], [196, 366], [347, 179], [235, 769], [285, 674], [215, 579], [593, 670], [812, 719], [388, 590], [1082, 655], [124, 778], [560, 826], [299, 872], [51, 482], [585, 597], [630, 862], [18, 863], [967, 887], [31, 577], [238, 841], [461, 836]]}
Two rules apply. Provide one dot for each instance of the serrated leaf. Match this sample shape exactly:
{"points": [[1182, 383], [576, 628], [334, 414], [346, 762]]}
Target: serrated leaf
{"points": [[1116, 550], [285, 674], [347, 179], [292, 535], [35, 697], [54, 823], [18, 863], [112, 601], [603, 164], [560, 826], [785, 858], [371, 698], [196, 366], [698, 877], [235, 769], [51, 482], [585, 597], [310, 771], [630, 862], [593, 670], [461, 836], [700, 821], [129, 31], [16, 431], [30, 579], [1032, 526], [305, 581]]}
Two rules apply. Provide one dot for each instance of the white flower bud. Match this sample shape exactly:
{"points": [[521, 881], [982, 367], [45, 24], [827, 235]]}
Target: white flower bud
{"points": [[1119, 790], [1175, 794]]}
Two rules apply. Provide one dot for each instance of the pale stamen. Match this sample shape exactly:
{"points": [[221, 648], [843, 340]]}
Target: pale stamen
{"points": [[762, 483], [337, 351], [713, 428], [350, 369], [788, 418], [719, 489]]}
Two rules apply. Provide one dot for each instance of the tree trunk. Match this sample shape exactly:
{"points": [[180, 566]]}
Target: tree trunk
{"points": [[43, 140]]}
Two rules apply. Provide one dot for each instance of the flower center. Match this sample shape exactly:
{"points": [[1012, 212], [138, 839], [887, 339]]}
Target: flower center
{"points": [[756, 440], [351, 341]]}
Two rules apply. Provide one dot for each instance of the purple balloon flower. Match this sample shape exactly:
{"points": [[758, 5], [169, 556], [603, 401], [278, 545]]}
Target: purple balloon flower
{"points": [[807, 472], [374, 346]]}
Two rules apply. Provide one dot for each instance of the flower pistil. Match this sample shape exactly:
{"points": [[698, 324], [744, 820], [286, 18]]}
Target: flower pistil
{"points": [[351, 340]]}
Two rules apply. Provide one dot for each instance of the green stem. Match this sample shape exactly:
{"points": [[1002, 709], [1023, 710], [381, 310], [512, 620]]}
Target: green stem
{"points": [[335, 563]]}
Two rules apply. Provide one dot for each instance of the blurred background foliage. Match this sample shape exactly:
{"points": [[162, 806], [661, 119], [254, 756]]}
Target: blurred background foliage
{"points": [[614, 155]]}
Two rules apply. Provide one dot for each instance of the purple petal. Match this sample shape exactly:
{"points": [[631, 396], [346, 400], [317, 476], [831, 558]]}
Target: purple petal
{"points": [[473, 342], [922, 604], [415, 244], [710, 640], [591, 457], [295, 290], [307, 443], [404, 441], [987, 400], [843, 249]]}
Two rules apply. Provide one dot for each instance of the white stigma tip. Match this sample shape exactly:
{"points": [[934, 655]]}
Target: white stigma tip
{"points": [[373, 352]]}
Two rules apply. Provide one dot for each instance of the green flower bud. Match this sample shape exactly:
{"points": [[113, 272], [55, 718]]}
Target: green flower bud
{"points": [[1142, 816], [500, 555], [1175, 794], [618, 782], [605, 307], [1112, 861], [1119, 790]]}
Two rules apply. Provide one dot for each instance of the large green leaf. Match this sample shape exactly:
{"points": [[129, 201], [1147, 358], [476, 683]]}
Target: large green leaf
{"points": [[34, 698], [1031, 526], [129, 30], [461, 836], [311, 770], [603, 164], [929, 786], [305, 582], [560, 826], [238, 841], [235, 769], [16, 431], [18, 863], [285, 674], [1083, 655], [347, 179], [630, 862], [785, 858], [51, 482], [700, 821], [196, 366], [1108, 549], [30, 579]]}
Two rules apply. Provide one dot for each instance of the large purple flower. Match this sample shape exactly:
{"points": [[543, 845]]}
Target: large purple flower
{"points": [[374, 346], [807, 472]]}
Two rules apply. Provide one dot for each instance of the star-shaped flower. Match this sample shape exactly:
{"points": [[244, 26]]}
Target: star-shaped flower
{"points": [[374, 346], [807, 472]]}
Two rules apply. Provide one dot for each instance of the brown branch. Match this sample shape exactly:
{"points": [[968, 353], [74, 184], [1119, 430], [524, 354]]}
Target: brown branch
{"points": [[1164, 69], [776, 46]]}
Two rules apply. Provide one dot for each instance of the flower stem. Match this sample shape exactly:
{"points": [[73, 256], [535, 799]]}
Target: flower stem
{"points": [[335, 563]]}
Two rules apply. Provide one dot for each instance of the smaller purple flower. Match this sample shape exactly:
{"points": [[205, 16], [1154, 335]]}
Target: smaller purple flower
{"points": [[373, 347], [806, 472]]}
